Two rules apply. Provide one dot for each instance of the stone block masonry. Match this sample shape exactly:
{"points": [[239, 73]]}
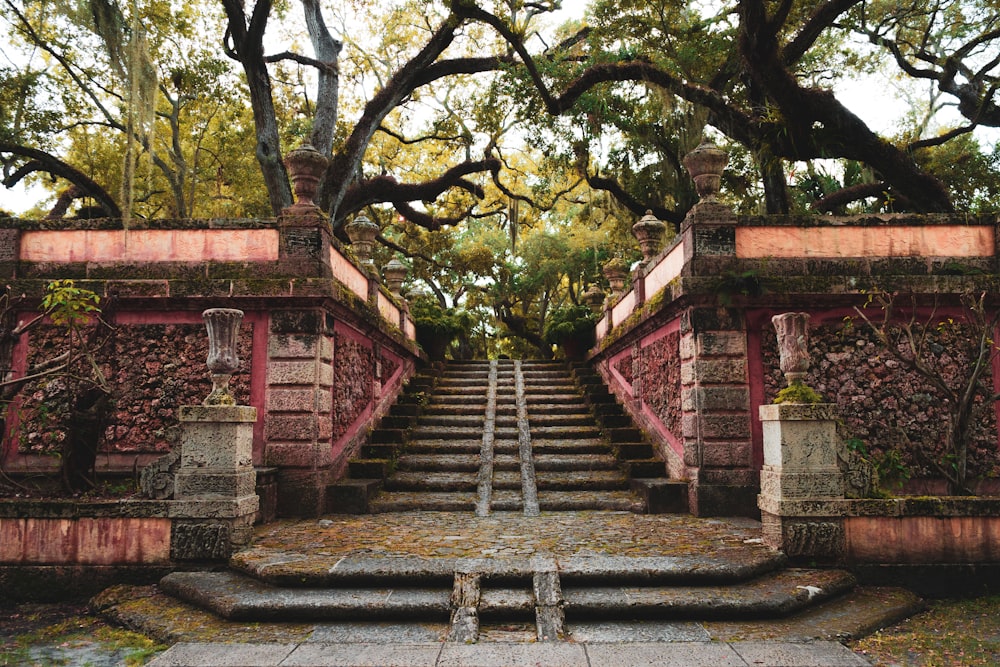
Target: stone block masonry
{"points": [[298, 426]]}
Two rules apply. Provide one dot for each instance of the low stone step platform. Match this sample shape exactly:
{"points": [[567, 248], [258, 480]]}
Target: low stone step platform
{"points": [[611, 577], [238, 597]]}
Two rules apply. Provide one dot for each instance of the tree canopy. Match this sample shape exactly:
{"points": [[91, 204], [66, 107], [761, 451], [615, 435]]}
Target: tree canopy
{"points": [[484, 137]]}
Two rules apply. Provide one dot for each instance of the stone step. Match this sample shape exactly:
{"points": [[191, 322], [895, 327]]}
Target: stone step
{"points": [[432, 432], [432, 446], [450, 420], [510, 500], [239, 598], [455, 462], [408, 501], [538, 408], [580, 501], [850, 616], [315, 568], [538, 419], [432, 481], [581, 480], [457, 399], [579, 432], [541, 446], [545, 462], [773, 596]]}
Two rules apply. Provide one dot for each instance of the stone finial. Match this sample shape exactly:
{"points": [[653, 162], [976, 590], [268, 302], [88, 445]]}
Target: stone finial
{"points": [[594, 298], [306, 167], [615, 271], [706, 164], [223, 326], [362, 233], [793, 344], [649, 232], [395, 273]]}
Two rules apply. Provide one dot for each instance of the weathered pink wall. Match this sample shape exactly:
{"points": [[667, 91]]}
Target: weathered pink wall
{"points": [[150, 245], [880, 241], [85, 541], [923, 539]]}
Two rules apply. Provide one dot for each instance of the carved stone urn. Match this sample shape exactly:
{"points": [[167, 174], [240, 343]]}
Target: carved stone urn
{"points": [[793, 345], [223, 326], [649, 232], [306, 167], [615, 271], [594, 298], [706, 164], [395, 273], [362, 233]]}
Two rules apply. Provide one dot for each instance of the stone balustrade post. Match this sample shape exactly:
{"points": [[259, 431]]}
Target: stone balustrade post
{"points": [[801, 483], [304, 229], [215, 500], [214, 489]]}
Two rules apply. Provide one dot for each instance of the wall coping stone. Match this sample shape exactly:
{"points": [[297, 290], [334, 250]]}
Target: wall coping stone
{"points": [[217, 413], [43, 508], [798, 412], [902, 507], [868, 220]]}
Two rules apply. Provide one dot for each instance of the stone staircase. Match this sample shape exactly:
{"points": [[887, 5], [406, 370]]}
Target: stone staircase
{"points": [[511, 502], [508, 436]]}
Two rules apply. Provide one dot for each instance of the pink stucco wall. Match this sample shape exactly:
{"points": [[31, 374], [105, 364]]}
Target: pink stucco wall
{"points": [[881, 241], [923, 539], [150, 245], [85, 541]]}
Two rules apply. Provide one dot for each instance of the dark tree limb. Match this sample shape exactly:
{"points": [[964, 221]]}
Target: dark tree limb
{"points": [[50, 164], [387, 189], [844, 196], [345, 163]]}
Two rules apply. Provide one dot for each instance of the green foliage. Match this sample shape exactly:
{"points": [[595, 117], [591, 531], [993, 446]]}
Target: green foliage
{"points": [[68, 305], [432, 319], [798, 392], [889, 468], [570, 323]]}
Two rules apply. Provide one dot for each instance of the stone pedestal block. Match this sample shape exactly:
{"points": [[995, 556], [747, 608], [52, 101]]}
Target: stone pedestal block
{"points": [[798, 436], [215, 501], [800, 482], [217, 436]]}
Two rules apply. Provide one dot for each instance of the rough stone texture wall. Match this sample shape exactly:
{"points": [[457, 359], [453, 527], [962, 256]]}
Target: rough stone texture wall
{"points": [[354, 368], [885, 405], [624, 366], [661, 380], [389, 364], [153, 368]]}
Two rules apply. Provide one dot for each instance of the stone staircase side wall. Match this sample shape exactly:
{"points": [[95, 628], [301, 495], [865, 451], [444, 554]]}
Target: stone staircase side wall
{"points": [[327, 383]]}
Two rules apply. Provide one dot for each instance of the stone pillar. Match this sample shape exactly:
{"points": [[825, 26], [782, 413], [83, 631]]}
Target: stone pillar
{"points": [[304, 229], [801, 482], [715, 404], [298, 426], [214, 499]]}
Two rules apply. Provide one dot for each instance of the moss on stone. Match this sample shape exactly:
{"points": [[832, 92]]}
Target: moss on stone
{"points": [[798, 392]]}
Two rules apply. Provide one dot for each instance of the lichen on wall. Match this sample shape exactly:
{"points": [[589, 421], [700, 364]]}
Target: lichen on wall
{"points": [[661, 380], [354, 368]]}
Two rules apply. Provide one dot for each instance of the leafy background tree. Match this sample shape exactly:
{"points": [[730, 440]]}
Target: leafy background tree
{"points": [[504, 154]]}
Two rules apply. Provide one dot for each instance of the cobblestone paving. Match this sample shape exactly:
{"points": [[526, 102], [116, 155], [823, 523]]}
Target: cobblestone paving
{"points": [[463, 535]]}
